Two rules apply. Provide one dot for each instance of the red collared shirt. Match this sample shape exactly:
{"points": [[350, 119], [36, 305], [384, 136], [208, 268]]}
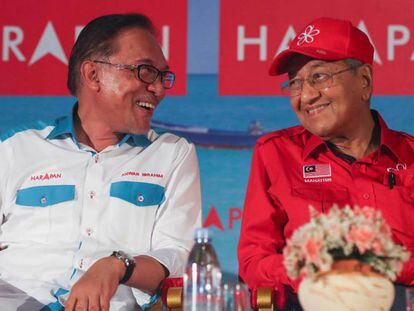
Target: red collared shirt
{"points": [[292, 169]]}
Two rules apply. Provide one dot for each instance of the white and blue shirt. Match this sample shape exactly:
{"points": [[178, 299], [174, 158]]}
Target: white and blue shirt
{"points": [[64, 206]]}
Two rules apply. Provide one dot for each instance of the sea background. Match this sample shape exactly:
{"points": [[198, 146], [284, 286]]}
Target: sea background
{"points": [[224, 172]]}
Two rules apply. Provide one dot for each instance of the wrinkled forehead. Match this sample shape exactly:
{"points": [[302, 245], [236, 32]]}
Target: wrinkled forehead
{"points": [[299, 62], [139, 45]]}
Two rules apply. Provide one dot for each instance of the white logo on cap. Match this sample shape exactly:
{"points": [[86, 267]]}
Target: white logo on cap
{"points": [[307, 35]]}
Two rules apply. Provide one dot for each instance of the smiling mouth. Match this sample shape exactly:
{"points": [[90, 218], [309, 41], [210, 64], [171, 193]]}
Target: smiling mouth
{"points": [[315, 110], [146, 105]]}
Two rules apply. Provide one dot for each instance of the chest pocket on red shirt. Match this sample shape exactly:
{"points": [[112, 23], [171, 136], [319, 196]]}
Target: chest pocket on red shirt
{"points": [[406, 179], [397, 207], [408, 195], [322, 198]]}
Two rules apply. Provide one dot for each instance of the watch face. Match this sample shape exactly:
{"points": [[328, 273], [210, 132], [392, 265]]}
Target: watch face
{"points": [[122, 254], [127, 259]]}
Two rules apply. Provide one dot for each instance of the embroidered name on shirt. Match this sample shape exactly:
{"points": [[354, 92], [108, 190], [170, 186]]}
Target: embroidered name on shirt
{"points": [[152, 175], [46, 176], [317, 173], [130, 174], [143, 174]]}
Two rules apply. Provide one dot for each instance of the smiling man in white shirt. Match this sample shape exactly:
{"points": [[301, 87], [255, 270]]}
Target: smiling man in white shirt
{"points": [[98, 208]]}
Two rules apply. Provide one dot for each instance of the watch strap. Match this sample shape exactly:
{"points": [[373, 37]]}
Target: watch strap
{"points": [[128, 262]]}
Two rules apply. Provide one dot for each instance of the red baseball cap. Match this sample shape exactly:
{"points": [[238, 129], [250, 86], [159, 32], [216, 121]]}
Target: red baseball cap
{"points": [[327, 39]]}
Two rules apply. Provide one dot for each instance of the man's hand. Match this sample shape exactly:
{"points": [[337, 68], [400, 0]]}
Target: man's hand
{"points": [[96, 287]]}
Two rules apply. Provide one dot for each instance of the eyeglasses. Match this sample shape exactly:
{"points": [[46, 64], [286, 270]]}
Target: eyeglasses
{"points": [[317, 80], [146, 73]]}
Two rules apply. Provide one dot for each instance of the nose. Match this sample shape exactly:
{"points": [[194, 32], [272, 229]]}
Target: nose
{"points": [[157, 88], [309, 94]]}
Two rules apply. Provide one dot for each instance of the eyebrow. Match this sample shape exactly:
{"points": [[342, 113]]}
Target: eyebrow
{"points": [[318, 65], [293, 74], [149, 61]]}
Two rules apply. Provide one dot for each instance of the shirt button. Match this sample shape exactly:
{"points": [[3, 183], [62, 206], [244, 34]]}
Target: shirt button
{"points": [[92, 194], [80, 264], [366, 196], [97, 158], [357, 166], [89, 231], [140, 198], [43, 200]]}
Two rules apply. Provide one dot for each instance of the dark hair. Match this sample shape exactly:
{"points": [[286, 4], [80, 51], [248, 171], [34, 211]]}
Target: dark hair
{"points": [[96, 40]]}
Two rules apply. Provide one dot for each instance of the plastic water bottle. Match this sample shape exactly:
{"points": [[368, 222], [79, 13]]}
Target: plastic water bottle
{"points": [[202, 278]]}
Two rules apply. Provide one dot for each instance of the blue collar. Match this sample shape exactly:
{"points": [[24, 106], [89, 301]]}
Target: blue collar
{"points": [[135, 140], [64, 126]]}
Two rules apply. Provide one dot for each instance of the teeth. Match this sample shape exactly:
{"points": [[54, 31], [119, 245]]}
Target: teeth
{"points": [[146, 105], [316, 109]]}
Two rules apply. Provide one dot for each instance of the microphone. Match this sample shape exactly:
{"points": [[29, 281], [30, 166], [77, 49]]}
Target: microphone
{"points": [[391, 180]]}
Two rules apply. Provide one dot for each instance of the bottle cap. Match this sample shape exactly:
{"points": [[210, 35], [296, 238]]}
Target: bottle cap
{"points": [[202, 235]]}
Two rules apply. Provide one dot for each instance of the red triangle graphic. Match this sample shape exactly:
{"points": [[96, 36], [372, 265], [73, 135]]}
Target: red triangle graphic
{"points": [[213, 219]]}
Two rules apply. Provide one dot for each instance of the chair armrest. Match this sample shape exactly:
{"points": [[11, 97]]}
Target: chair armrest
{"points": [[264, 300], [172, 294], [175, 298]]}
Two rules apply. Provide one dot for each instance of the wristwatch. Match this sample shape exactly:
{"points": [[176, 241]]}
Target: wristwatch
{"points": [[129, 263]]}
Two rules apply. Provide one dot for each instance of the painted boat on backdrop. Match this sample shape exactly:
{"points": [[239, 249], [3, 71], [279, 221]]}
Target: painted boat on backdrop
{"points": [[214, 138]]}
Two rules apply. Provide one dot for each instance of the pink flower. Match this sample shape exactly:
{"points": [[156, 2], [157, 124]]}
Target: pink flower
{"points": [[377, 247], [385, 230], [362, 237], [369, 213], [287, 251], [357, 210], [311, 249]]}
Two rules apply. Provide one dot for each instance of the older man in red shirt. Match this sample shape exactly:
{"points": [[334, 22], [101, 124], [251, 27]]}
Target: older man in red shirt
{"points": [[342, 153]]}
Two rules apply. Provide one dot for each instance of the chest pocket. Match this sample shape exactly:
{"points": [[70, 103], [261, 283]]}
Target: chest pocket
{"points": [[408, 195], [138, 193], [132, 213], [45, 213], [406, 177], [43, 196], [322, 198]]}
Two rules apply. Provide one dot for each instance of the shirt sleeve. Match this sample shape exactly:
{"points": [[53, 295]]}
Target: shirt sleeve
{"points": [[4, 168], [179, 215], [261, 238]]}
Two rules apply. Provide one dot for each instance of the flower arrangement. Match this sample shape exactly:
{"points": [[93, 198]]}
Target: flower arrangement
{"points": [[347, 233]]}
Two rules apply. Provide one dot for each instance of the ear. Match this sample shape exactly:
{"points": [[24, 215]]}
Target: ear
{"points": [[366, 74], [367, 81], [89, 74]]}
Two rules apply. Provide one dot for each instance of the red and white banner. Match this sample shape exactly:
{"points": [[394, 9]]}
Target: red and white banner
{"points": [[37, 37], [252, 32]]}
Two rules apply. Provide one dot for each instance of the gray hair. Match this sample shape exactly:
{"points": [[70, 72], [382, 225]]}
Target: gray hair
{"points": [[353, 63]]}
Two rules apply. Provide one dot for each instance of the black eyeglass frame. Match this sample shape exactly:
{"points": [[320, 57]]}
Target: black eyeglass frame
{"points": [[285, 87], [137, 70]]}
